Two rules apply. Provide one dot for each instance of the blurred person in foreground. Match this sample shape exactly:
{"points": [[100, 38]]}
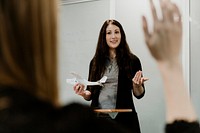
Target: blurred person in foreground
{"points": [[164, 44]]}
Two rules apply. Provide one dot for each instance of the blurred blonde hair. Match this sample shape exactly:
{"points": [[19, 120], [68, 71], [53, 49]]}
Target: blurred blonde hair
{"points": [[28, 46]]}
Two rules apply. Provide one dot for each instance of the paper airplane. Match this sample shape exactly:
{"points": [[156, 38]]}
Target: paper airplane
{"points": [[78, 79]]}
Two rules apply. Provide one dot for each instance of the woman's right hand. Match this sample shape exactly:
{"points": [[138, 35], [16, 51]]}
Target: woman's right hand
{"points": [[80, 90]]}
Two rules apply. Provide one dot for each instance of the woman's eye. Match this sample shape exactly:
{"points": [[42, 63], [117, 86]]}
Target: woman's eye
{"points": [[116, 32]]}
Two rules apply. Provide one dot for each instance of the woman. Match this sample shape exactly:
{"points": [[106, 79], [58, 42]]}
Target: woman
{"points": [[28, 74], [123, 69]]}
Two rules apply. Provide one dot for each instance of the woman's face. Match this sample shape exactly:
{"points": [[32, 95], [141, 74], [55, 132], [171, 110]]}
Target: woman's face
{"points": [[113, 36]]}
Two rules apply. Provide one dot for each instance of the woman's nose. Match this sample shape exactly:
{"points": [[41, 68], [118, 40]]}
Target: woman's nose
{"points": [[113, 35]]}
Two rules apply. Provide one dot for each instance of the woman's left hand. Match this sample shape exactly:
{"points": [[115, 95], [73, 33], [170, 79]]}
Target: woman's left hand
{"points": [[138, 80]]}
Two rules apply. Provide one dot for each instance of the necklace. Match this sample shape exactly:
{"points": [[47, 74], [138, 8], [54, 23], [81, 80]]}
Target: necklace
{"points": [[111, 64]]}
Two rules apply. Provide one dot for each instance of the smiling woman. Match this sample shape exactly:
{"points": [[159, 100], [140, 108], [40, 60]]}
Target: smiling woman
{"points": [[114, 59]]}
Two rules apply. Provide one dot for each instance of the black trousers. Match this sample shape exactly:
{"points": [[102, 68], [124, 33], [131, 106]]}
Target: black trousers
{"points": [[128, 120]]}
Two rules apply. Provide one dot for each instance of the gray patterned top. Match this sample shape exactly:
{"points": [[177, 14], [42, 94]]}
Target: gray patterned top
{"points": [[108, 93]]}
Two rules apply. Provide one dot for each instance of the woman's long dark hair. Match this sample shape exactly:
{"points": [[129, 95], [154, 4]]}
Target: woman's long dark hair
{"points": [[123, 52]]}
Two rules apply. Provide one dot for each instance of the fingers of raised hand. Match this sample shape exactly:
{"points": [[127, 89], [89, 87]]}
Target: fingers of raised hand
{"points": [[170, 11], [146, 30], [165, 29], [177, 15], [153, 10]]}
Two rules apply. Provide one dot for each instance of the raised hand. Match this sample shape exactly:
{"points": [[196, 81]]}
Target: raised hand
{"points": [[164, 42]]}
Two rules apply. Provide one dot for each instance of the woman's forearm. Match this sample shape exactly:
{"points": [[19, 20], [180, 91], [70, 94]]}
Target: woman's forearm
{"points": [[178, 102]]}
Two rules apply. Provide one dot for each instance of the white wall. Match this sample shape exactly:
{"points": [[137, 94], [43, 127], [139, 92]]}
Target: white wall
{"points": [[80, 25], [194, 53]]}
